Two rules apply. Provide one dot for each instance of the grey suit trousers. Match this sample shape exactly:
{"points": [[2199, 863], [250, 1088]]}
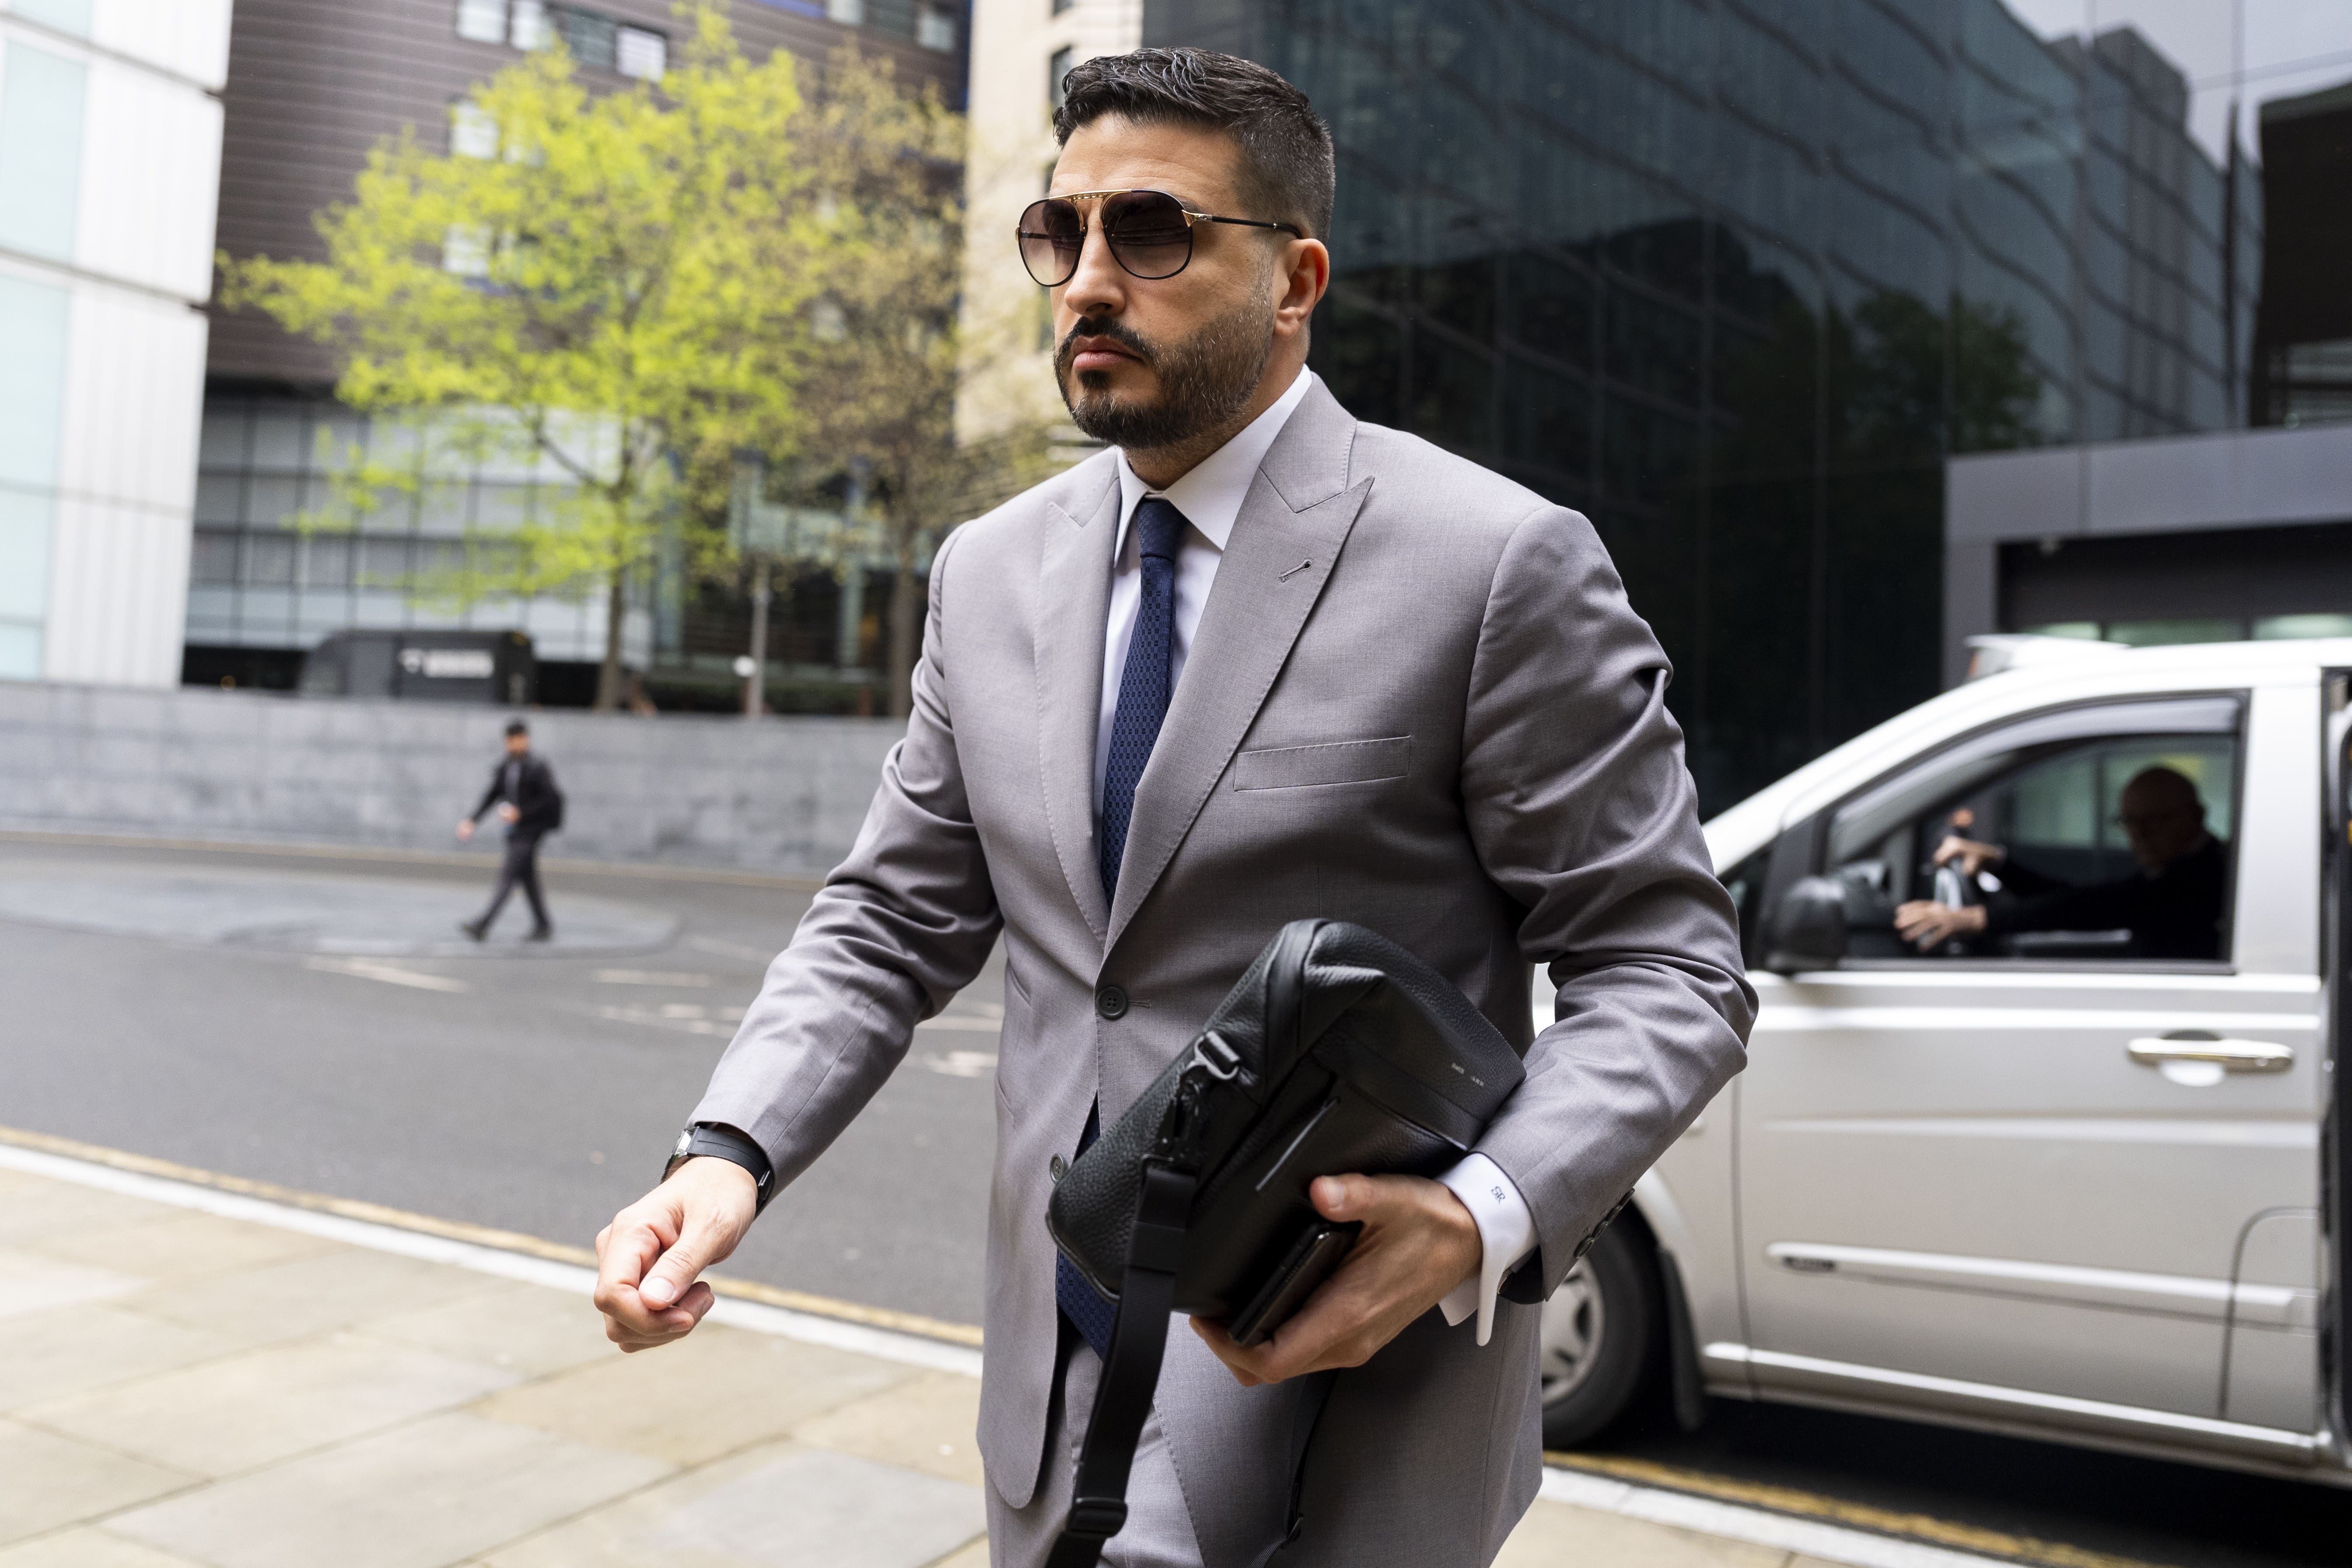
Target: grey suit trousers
{"points": [[1158, 1530]]}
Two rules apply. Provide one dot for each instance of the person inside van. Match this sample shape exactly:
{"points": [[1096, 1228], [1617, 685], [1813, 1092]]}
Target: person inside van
{"points": [[2172, 905]]}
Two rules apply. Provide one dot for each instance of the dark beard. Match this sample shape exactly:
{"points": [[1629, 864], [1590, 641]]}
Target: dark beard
{"points": [[1205, 381]]}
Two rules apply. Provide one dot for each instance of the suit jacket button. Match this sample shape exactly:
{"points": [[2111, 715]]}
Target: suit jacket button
{"points": [[1111, 1002], [1057, 1168]]}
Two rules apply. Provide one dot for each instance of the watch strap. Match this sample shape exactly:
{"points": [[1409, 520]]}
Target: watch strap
{"points": [[718, 1140]]}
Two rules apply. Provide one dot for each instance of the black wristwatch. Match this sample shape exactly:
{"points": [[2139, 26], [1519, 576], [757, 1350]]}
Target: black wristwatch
{"points": [[724, 1143]]}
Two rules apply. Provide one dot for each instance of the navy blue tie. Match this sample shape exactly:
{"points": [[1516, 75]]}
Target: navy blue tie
{"points": [[1143, 689], [1143, 686]]}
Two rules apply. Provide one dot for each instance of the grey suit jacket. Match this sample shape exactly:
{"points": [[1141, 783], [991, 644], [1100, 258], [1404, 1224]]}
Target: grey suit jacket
{"points": [[1417, 699]]}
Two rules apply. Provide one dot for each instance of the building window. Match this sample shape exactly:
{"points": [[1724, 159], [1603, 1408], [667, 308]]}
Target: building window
{"points": [[213, 559], [592, 38], [472, 132], [848, 13], [529, 28], [465, 250], [1055, 70], [484, 21], [935, 30], [642, 54], [1062, 5]]}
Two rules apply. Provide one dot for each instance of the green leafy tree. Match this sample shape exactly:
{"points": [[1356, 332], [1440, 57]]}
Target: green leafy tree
{"points": [[887, 355], [618, 285]]}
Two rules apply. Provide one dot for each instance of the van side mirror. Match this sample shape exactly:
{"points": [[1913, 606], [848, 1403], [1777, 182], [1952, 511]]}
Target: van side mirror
{"points": [[1806, 929]]}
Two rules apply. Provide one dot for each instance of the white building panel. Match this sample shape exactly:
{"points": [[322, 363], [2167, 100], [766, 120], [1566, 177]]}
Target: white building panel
{"points": [[133, 400], [126, 472], [186, 38], [149, 181], [117, 595]]}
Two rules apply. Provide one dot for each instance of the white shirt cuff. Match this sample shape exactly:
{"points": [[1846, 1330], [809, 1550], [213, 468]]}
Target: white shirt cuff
{"points": [[1506, 1234]]}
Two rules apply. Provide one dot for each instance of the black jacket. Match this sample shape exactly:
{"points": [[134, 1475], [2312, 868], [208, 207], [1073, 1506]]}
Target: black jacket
{"points": [[2176, 913], [540, 804]]}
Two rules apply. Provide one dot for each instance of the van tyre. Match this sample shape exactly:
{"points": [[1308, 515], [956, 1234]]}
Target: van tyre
{"points": [[1599, 1333]]}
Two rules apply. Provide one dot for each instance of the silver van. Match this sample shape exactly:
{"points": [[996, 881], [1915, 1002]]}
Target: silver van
{"points": [[2039, 1132]]}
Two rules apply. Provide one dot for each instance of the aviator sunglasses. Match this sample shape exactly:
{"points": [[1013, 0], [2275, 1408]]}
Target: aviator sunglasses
{"points": [[1149, 233]]}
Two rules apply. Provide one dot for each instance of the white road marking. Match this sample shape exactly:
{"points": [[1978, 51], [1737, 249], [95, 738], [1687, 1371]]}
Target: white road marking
{"points": [[650, 977], [961, 1064], [390, 974]]}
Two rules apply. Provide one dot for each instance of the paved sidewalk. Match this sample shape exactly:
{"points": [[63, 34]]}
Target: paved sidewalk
{"points": [[180, 1389]]}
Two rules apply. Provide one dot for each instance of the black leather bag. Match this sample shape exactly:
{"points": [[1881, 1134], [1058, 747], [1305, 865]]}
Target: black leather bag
{"points": [[1336, 1051]]}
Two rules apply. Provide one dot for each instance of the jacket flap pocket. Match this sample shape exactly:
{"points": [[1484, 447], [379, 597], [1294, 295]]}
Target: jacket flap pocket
{"points": [[1342, 761]]}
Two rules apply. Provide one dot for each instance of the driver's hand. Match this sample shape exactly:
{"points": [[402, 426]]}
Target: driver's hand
{"points": [[1972, 855], [649, 1260], [1930, 924]]}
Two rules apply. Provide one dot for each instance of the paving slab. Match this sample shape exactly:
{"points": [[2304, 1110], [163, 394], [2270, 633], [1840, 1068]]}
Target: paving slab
{"points": [[426, 1495], [777, 1507], [64, 1210], [76, 1349], [927, 1423], [337, 1288], [526, 1329], [268, 1405], [30, 1282], [89, 1549], [47, 1480], [180, 1246], [720, 1390]]}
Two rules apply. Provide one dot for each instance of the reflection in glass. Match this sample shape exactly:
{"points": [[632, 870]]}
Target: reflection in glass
{"points": [[1736, 281]]}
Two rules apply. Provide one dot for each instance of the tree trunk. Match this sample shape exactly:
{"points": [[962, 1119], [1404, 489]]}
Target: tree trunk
{"points": [[755, 685], [608, 677], [906, 630]]}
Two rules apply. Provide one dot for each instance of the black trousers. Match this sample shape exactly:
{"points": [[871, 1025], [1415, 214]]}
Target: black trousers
{"points": [[521, 866]]}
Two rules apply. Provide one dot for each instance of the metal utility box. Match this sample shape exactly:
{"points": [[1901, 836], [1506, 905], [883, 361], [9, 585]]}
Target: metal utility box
{"points": [[430, 667]]}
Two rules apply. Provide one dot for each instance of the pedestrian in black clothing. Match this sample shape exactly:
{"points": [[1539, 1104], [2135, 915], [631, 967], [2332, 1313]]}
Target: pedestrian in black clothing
{"points": [[523, 789]]}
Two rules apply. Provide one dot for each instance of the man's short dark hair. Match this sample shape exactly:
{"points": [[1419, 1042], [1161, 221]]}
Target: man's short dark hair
{"points": [[1285, 168], [516, 727]]}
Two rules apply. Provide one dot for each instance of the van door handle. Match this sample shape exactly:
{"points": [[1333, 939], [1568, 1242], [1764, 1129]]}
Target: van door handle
{"points": [[2203, 1046]]}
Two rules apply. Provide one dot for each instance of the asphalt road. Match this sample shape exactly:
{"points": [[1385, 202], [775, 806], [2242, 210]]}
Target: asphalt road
{"points": [[540, 1098], [234, 1010]]}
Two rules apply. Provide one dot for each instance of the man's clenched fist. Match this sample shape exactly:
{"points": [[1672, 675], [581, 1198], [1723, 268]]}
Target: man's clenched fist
{"points": [[649, 1260]]}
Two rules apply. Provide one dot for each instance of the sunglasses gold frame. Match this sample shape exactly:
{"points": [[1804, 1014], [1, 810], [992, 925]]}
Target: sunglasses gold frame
{"points": [[1192, 219]]}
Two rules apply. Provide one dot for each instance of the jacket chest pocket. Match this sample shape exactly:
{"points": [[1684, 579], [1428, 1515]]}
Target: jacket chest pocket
{"points": [[1338, 763]]}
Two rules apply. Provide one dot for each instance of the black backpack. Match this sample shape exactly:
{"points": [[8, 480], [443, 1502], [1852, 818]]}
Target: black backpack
{"points": [[1336, 1052]]}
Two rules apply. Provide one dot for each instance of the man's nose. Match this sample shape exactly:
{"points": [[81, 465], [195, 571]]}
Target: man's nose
{"points": [[1098, 288]]}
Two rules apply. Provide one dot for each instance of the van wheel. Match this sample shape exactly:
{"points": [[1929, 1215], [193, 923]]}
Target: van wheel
{"points": [[1595, 1344]]}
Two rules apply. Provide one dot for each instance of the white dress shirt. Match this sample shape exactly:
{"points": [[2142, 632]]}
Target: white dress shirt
{"points": [[1210, 495]]}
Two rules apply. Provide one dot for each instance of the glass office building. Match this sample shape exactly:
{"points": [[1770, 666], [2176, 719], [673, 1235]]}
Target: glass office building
{"points": [[1741, 280]]}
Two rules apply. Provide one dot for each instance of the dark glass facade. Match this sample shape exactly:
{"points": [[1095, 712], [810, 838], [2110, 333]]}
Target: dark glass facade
{"points": [[1737, 279]]}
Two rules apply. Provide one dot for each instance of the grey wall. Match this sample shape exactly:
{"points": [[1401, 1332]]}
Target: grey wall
{"points": [[779, 796], [2243, 479]]}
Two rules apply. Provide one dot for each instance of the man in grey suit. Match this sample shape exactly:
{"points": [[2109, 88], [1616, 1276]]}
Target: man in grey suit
{"points": [[1256, 662]]}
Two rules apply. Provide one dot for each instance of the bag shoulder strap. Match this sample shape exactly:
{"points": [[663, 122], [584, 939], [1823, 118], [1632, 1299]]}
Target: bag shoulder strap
{"points": [[1130, 1374]]}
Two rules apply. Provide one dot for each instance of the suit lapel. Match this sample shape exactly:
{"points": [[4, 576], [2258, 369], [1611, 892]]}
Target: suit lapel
{"points": [[1283, 548], [1072, 605]]}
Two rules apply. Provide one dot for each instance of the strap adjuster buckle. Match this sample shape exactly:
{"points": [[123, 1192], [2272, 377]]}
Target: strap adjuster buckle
{"points": [[1099, 1518]]}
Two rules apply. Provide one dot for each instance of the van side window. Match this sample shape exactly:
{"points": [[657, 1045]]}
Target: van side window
{"points": [[2111, 846]]}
